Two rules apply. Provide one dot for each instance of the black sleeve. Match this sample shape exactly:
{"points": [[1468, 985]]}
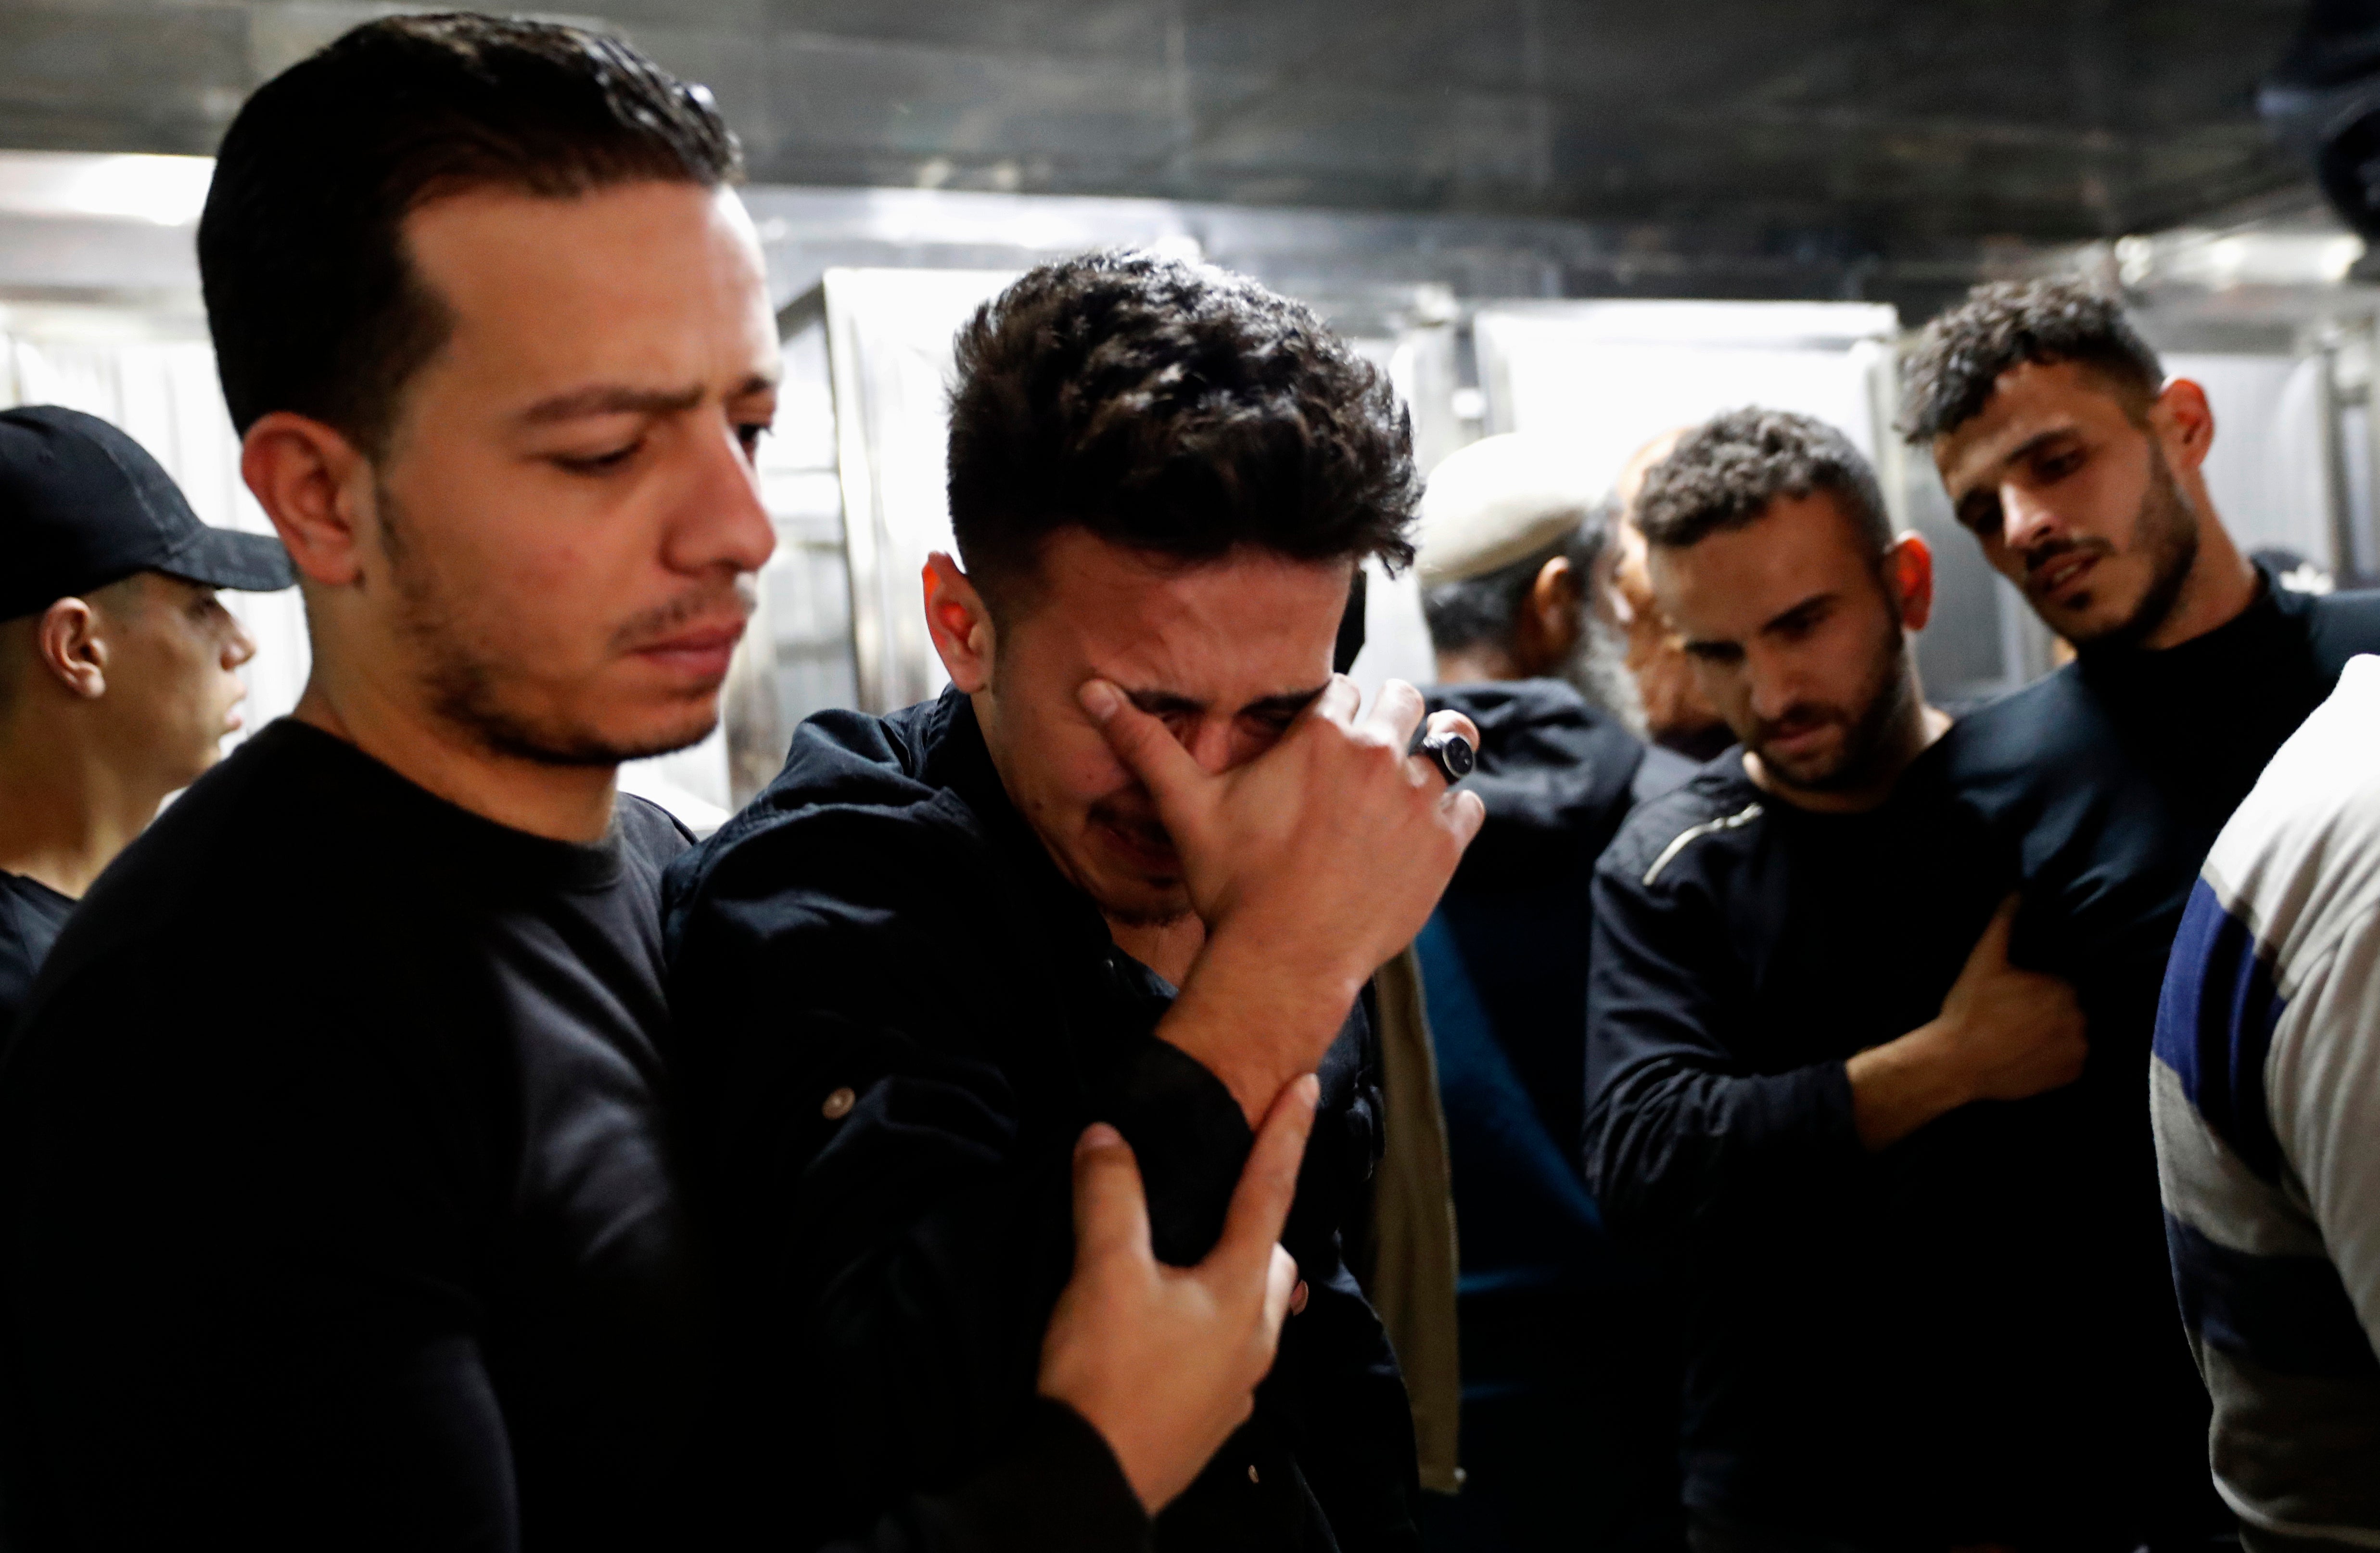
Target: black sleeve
{"points": [[894, 1252], [236, 1270], [1679, 1132], [1059, 1491]]}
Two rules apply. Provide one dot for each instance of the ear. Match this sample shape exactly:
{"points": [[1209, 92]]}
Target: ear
{"points": [[2184, 422], [68, 641], [311, 482], [1554, 609], [1559, 587], [1908, 570], [960, 623]]}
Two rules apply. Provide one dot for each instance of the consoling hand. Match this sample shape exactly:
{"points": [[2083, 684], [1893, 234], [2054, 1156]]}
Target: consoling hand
{"points": [[1164, 1361], [2004, 1033]]}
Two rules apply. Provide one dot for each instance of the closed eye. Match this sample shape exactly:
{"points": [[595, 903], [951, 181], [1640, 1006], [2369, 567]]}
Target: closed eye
{"points": [[597, 463]]}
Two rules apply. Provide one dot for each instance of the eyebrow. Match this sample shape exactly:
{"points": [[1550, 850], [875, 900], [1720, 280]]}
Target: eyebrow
{"points": [[2030, 446], [1157, 704], [614, 398], [1810, 603], [1784, 617]]}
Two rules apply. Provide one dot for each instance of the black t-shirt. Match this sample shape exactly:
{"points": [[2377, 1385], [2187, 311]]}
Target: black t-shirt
{"points": [[335, 1197], [2110, 780], [31, 915], [1838, 1383]]}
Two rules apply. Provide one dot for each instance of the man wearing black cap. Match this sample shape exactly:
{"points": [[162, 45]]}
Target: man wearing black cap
{"points": [[117, 665], [392, 1249]]}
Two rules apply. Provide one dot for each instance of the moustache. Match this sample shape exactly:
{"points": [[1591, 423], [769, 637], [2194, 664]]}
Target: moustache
{"points": [[1800, 718], [2050, 551], [717, 603]]}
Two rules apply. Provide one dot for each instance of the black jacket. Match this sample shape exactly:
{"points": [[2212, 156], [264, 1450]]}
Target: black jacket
{"points": [[880, 920], [1557, 776], [1840, 1381]]}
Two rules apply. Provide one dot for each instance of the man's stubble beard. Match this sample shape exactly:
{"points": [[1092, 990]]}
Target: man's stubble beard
{"points": [[1889, 699], [2166, 528], [465, 682]]}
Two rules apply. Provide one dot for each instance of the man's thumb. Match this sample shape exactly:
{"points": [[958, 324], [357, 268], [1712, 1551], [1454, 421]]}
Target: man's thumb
{"points": [[1991, 950], [1111, 1212]]}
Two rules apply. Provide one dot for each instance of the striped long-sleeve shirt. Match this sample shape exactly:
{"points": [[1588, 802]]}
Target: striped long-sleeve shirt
{"points": [[2265, 1094]]}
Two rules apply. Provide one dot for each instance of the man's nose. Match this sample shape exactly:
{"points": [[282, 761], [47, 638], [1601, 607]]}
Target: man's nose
{"points": [[2026, 518], [239, 646], [724, 522], [1208, 740], [1774, 686]]}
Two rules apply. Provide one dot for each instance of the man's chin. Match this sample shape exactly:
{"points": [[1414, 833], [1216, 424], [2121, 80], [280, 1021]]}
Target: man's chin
{"points": [[593, 745], [1140, 902]]}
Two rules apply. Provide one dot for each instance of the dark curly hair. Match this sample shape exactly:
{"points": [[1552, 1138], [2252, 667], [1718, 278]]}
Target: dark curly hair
{"points": [[1724, 473], [1948, 376], [1174, 409], [312, 301]]}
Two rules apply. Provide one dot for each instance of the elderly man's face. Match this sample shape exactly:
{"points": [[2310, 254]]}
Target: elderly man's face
{"points": [[1228, 652]]}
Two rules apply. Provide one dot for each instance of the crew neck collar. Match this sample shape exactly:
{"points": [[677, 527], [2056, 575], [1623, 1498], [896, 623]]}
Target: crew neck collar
{"points": [[457, 833]]}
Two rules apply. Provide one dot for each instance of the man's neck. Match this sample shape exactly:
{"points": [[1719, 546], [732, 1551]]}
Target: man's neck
{"points": [[1476, 666], [64, 813], [563, 802], [2219, 587], [1915, 736], [1170, 948]]}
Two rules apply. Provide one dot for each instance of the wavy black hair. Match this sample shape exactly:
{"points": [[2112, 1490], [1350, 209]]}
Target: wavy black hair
{"points": [[1174, 409], [312, 302], [1724, 473], [1949, 375]]}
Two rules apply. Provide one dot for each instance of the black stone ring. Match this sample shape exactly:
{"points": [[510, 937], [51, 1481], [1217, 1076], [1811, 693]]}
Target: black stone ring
{"points": [[1452, 754]]}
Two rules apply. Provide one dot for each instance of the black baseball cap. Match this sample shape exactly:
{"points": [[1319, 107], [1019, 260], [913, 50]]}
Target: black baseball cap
{"points": [[82, 505]]}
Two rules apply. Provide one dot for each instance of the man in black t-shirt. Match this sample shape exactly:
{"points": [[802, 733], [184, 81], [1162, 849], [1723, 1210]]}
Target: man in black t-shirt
{"points": [[1798, 994], [118, 667], [2078, 466], [341, 1197]]}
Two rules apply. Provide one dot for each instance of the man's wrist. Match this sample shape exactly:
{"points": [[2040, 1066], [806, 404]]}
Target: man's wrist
{"points": [[1902, 1085], [1257, 1018]]}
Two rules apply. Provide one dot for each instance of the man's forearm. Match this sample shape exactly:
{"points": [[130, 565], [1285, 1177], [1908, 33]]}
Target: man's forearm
{"points": [[1902, 1085], [1255, 1022]]}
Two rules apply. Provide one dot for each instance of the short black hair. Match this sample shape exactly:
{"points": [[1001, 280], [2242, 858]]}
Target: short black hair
{"points": [[1486, 608], [1174, 409], [1724, 473], [312, 302], [1948, 376]]}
